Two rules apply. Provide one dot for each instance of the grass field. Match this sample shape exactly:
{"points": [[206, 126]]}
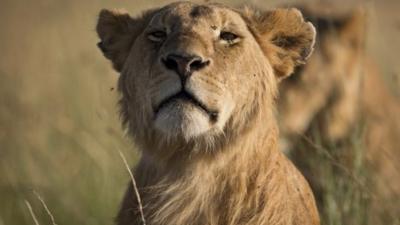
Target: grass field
{"points": [[59, 128]]}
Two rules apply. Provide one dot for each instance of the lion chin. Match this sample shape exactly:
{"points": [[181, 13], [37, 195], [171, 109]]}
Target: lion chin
{"points": [[182, 117], [186, 115]]}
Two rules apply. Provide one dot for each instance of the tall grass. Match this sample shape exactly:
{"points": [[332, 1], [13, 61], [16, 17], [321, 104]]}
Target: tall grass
{"points": [[338, 175], [342, 179], [59, 123]]}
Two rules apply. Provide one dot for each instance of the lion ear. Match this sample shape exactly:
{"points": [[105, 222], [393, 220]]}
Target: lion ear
{"points": [[285, 38], [117, 31]]}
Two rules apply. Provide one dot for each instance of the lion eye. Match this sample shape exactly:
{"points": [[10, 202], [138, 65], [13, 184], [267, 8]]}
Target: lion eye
{"points": [[228, 36], [157, 36]]}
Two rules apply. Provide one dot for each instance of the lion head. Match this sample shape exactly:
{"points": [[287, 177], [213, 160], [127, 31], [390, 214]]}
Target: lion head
{"points": [[196, 75]]}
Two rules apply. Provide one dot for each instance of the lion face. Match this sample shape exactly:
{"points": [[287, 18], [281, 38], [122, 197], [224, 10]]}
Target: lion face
{"points": [[189, 90], [194, 72]]}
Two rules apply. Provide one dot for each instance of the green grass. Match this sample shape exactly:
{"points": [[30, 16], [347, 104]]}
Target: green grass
{"points": [[60, 127], [342, 179], [338, 176]]}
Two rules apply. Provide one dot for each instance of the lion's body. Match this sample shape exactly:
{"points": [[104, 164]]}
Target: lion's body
{"points": [[198, 85]]}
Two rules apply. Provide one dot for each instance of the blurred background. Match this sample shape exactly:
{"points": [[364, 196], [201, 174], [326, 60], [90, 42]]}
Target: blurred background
{"points": [[59, 128]]}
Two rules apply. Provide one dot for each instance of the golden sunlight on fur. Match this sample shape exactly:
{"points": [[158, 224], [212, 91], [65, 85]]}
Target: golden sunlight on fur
{"points": [[339, 89], [198, 84]]}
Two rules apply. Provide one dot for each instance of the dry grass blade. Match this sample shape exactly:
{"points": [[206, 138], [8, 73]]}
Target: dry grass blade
{"points": [[31, 212], [53, 222], [134, 187]]}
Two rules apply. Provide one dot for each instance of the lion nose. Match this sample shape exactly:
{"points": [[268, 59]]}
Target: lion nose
{"points": [[184, 65]]}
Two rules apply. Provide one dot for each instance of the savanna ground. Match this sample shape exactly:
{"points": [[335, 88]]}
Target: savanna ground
{"points": [[59, 128]]}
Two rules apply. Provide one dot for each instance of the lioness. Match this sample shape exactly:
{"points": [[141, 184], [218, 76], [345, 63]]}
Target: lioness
{"points": [[328, 88], [198, 84], [338, 90]]}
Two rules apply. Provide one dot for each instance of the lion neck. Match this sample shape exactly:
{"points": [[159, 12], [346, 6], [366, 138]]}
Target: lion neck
{"points": [[256, 143], [256, 138], [235, 179]]}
